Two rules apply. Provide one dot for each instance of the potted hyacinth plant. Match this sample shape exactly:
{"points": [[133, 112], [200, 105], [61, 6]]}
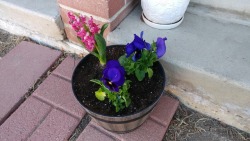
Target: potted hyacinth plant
{"points": [[117, 85]]}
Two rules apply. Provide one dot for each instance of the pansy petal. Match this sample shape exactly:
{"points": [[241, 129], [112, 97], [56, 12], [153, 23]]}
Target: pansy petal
{"points": [[105, 82], [114, 74], [122, 70], [137, 55], [115, 88], [147, 45], [138, 42], [112, 87], [129, 49], [120, 82], [105, 73], [112, 63], [142, 34], [161, 47], [134, 58]]}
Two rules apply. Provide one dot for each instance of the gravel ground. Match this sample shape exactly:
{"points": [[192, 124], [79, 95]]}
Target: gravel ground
{"points": [[189, 125], [186, 125], [8, 41]]}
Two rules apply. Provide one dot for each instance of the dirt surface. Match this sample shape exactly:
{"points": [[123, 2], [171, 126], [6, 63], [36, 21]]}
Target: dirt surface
{"points": [[8, 41], [189, 125]]}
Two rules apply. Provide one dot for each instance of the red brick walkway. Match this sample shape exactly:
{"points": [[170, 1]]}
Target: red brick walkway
{"points": [[19, 70], [52, 112]]}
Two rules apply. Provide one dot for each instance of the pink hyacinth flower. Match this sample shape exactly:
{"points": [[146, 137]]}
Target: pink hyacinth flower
{"points": [[81, 33], [89, 43], [71, 17], [87, 37], [92, 26]]}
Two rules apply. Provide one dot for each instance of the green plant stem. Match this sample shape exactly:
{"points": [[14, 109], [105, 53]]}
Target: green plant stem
{"points": [[102, 62]]}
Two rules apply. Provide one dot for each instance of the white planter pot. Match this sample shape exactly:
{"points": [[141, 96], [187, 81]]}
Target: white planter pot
{"points": [[164, 12]]}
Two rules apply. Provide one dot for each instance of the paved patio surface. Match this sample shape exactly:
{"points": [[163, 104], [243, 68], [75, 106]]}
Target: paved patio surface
{"points": [[52, 112]]}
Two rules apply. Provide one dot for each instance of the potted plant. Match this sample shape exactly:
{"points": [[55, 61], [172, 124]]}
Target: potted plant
{"points": [[118, 85], [163, 14]]}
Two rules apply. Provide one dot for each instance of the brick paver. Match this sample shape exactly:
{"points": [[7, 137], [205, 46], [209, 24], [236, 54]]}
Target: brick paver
{"points": [[19, 70], [66, 68], [58, 92], [153, 129], [24, 120], [50, 113], [58, 126], [167, 106], [93, 133]]}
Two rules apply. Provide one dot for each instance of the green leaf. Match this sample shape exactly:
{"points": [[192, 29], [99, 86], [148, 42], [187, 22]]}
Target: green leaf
{"points": [[153, 46], [100, 95], [122, 60], [139, 74], [145, 53], [96, 81], [101, 48], [132, 66], [95, 54], [150, 72], [103, 28]]}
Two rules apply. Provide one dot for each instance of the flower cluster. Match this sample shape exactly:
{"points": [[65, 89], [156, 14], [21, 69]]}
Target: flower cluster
{"points": [[90, 35], [140, 56], [86, 29], [114, 86], [138, 45]]}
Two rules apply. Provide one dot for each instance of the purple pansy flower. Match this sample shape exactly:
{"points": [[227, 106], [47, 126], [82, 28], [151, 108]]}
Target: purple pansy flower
{"points": [[136, 47], [161, 46], [113, 75]]}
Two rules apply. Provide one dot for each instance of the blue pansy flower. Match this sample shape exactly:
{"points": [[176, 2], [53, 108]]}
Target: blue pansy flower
{"points": [[136, 47], [113, 75], [160, 46]]}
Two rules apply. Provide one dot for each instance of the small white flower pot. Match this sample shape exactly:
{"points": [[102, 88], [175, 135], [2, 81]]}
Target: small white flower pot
{"points": [[164, 14]]}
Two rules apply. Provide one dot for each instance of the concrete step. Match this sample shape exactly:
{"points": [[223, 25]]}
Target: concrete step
{"points": [[237, 6], [207, 62], [223, 15], [39, 19]]}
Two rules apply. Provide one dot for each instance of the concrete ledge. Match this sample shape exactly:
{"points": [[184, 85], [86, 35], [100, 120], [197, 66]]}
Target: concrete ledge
{"points": [[41, 39], [207, 62], [219, 14], [39, 17], [240, 6]]}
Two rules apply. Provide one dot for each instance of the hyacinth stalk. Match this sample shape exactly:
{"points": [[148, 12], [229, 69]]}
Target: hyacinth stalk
{"points": [[89, 35]]}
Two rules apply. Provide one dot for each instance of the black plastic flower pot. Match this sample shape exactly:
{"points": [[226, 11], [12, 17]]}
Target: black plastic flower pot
{"points": [[144, 94]]}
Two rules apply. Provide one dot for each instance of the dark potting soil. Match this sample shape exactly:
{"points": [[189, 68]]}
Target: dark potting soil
{"points": [[142, 93]]}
